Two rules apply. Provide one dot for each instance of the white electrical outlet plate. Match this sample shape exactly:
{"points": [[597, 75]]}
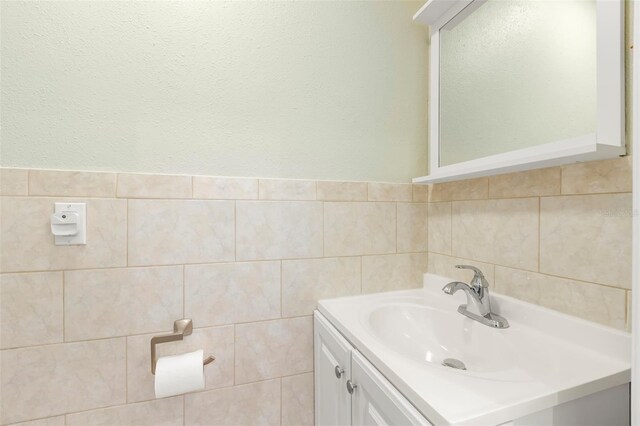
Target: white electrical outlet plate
{"points": [[81, 237]]}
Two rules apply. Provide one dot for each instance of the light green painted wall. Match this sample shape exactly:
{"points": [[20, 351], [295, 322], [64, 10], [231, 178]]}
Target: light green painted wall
{"points": [[321, 90]]}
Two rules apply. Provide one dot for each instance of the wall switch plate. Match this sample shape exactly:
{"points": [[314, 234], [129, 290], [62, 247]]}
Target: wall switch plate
{"points": [[69, 224]]}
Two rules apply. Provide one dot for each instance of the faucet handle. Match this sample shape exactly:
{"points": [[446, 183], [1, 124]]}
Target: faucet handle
{"points": [[478, 281], [473, 268]]}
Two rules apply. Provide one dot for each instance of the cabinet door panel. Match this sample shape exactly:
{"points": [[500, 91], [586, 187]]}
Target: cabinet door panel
{"points": [[375, 402], [331, 350]]}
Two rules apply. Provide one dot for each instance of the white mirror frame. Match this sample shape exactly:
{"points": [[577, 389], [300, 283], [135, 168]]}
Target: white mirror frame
{"points": [[607, 142]]}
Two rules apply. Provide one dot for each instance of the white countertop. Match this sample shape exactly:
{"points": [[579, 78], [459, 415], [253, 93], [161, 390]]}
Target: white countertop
{"points": [[552, 357]]}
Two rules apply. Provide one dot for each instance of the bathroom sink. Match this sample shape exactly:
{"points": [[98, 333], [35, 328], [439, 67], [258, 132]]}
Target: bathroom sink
{"points": [[543, 358], [428, 335]]}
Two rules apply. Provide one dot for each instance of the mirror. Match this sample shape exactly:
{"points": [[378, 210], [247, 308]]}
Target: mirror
{"points": [[522, 84], [515, 74]]}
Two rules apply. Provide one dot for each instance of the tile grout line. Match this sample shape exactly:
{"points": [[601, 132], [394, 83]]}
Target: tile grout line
{"points": [[361, 275], [626, 309], [28, 183], [488, 187], [184, 290], [539, 231], [126, 370], [324, 247], [220, 262], [497, 265], [281, 401], [396, 220], [235, 334], [451, 227], [64, 308], [514, 197], [126, 246], [149, 333]]}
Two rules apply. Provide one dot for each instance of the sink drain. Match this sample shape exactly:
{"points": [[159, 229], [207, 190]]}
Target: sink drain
{"points": [[454, 363]]}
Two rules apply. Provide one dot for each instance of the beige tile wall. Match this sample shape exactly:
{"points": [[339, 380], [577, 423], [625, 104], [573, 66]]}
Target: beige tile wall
{"points": [[246, 258], [559, 237]]}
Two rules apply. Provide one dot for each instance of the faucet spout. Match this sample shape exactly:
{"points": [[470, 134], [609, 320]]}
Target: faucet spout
{"points": [[478, 305], [454, 286], [475, 302]]}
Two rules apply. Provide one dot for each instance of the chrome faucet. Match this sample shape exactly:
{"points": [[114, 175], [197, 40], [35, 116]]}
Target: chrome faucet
{"points": [[478, 305]]}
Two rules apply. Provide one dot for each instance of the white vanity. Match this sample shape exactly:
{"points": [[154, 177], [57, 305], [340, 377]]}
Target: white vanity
{"points": [[379, 361]]}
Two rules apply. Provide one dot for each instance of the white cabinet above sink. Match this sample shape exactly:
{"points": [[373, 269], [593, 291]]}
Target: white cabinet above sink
{"points": [[546, 368]]}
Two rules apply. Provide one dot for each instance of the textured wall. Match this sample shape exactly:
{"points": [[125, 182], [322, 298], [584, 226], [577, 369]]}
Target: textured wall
{"points": [[327, 90]]}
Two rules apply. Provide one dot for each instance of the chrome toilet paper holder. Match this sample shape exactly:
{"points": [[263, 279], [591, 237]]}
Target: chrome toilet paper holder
{"points": [[182, 327]]}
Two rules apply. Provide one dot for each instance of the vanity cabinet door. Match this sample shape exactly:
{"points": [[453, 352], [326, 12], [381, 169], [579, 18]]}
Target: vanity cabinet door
{"points": [[332, 362], [375, 402]]}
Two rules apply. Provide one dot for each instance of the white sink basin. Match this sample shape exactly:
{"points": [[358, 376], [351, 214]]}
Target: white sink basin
{"points": [[543, 358], [428, 335]]}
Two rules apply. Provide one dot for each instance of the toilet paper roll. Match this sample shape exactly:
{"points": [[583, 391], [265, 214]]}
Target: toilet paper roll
{"points": [[179, 374]]}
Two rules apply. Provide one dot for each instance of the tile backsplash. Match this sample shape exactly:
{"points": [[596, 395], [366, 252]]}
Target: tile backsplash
{"points": [[246, 258], [559, 237]]}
